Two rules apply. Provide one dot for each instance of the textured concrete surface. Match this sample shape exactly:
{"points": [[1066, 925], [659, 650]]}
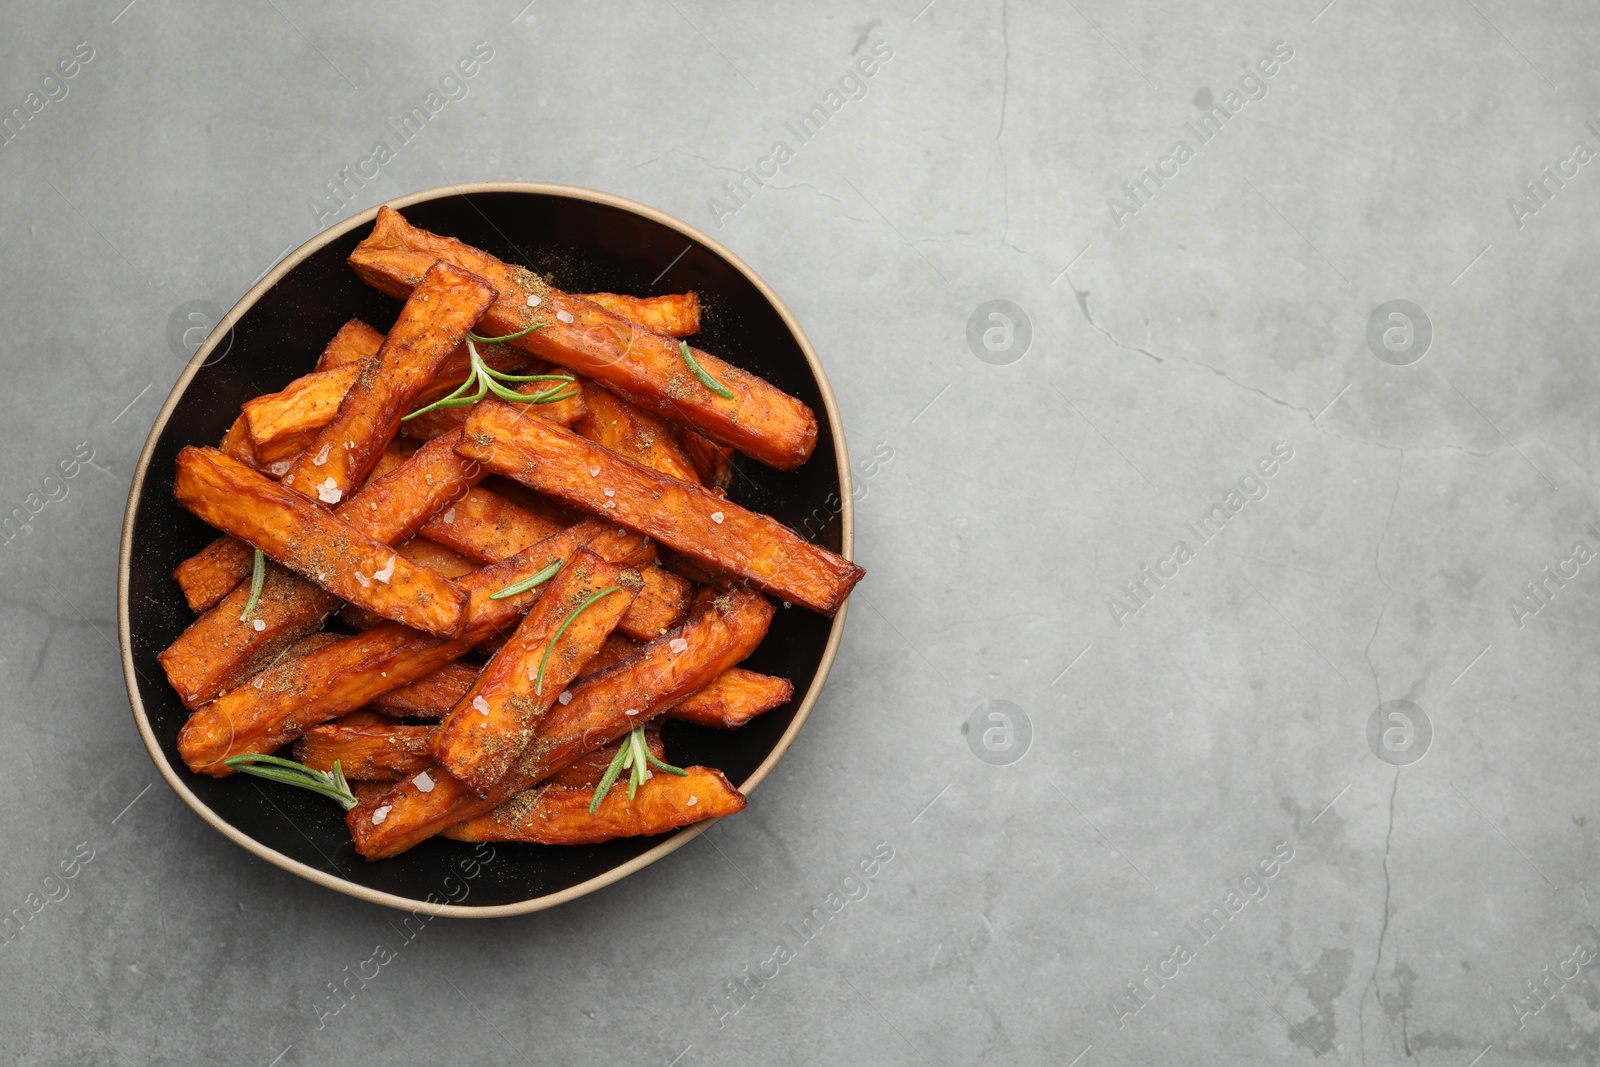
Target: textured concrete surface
{"points": [[1215, 848]]}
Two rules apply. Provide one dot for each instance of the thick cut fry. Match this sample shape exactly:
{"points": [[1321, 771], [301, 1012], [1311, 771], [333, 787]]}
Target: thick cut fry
{"points": [[380, 752], [587, 770], [356, 342], [315, 543], [660, 605], [213, 572], [357, 670], [550, 815], [633, 432], [236, 443], [210, 574], [282, 424], [637, 364], [713, 462], [616, 649], [676, 314], [438, 559], [487, 527], [493, 722], [736, 697], [602, 709], [218, 651], [689, 518], [430, 697], [434, 320]]}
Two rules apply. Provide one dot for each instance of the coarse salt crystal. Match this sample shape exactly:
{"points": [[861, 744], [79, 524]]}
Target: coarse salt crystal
{"points": [[387, 572], [717, 517], [632, 711], [258, 682], [564, 316], [692, 801], [289, 480], [329, 492], [450, 516], [322, 455], [565, 697], [609, 504], [678, 645], [533, 300], [381, 814], [366, 583], [481, 705], [423, 782], [259, 625], [610, 492], [594, 472]]}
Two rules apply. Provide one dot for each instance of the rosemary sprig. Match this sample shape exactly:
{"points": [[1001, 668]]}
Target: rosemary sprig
{"points": [[700, 372], [330, 784], [538, 685], [488, 380], [632, 756], [258, 577], [527, 583], [507, 337]]}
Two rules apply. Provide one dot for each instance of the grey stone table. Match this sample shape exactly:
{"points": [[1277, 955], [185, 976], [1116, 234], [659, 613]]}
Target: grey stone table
{"points": [[1223, 688]]}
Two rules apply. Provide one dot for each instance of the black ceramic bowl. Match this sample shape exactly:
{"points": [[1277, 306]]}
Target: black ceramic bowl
{"points": [[585, 242]]}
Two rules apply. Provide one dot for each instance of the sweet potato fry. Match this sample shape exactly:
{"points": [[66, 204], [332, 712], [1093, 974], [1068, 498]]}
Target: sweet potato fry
{"points": [[356, 342], [733, 699], [691, 519], [430, 697], [493, 722], [435, 319], [617, 648], [236, 443], [437, 558], [637, 364], [282, 424], [550, 815], [602, 709], [213, 572], [357, 670], [315, 543], [487, 527], [633, 432], [712, 462], [676, 314], [381, 752], [587, 770], [218, 651]]}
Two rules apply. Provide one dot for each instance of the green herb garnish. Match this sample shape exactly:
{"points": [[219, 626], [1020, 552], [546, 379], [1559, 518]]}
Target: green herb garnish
{"points": [[508, 337], [488, 380], [258, 577], [632, 756], [700, 372], [538, 687], [330, 784], [528, 583]]}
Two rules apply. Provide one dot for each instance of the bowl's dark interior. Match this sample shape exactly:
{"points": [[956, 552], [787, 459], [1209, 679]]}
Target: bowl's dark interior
{"points": [[582, 247]]}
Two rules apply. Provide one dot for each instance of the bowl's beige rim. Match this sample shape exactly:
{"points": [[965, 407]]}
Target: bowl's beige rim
{"points": [[671, 844]]}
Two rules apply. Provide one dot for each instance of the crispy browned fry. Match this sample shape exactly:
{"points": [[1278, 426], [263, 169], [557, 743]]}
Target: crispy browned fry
{"points": [[736, 697], [356, 342], [617, 648], [589, 768], [602, 709], [281, 424], [637, 364], [434, 320], [357, 670], [487, 527], [660, 605], [213, 572], [218, 651], [315, 543], [419, 550], [236, 443], [550, 815], [691, 519], [676, 314], [631, 431], [382, 752], [430, 697], [210, 574], [493, 722], [713, 462]]}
